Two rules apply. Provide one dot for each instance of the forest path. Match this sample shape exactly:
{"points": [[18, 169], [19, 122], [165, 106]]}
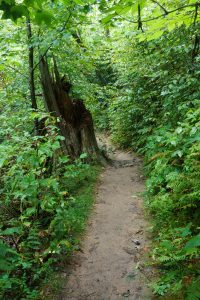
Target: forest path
{"points": [[110, 265]]}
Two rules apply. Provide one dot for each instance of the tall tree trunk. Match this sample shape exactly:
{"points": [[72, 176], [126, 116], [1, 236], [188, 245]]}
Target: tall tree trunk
{"points": [[31, 71], [75, 123]]}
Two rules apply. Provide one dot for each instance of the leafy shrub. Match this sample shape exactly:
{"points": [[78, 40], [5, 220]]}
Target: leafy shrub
{"points": [[41, 215], [158, 114]]}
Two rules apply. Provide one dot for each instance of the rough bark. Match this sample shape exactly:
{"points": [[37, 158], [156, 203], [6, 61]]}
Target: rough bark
{"points": [[75, 123]]}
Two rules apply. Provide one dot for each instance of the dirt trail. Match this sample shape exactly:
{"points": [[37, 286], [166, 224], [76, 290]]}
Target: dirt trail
{"points": [[109, 266]]}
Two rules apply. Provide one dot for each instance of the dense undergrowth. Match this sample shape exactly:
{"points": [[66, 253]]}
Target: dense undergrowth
{"points": [[157, 113], [45, 201]]}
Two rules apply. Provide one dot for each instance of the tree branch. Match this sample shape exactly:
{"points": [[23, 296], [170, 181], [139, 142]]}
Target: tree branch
{"points": [[161, 6], [163, 15]]}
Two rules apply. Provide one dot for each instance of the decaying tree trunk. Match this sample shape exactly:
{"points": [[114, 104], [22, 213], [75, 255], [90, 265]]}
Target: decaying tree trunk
{"points": [[75, 123]]}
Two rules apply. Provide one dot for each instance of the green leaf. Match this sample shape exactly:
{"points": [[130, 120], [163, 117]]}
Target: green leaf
{"points": [[185, 231], [55, 145], [10, 231], [79, 2], [6, 7], [18, 11], [108, 18], [30, 211], [167, 244], [120, 10], [3, 249], [193, 242], [42, 16], [83, 155], [37, 4], [2, 161], [193, 291], [4, 265], [12, 11]]}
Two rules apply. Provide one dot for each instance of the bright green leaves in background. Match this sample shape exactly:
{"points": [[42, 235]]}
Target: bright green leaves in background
{"points": [[156, 111], [154, 18]]}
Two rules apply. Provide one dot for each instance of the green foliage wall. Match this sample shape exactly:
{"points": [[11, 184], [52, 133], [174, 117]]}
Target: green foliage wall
{"points": [[42, 212], [157, 113], [44, 197]]}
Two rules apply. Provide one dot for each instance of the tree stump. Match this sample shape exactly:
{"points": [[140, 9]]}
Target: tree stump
{"points": [[75, 121]]}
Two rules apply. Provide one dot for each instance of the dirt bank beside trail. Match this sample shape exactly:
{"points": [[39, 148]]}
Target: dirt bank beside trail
{"points": [[110, 265]]}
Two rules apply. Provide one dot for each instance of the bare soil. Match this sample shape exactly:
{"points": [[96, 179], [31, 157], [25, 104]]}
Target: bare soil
{"points": [[110, 265]]}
